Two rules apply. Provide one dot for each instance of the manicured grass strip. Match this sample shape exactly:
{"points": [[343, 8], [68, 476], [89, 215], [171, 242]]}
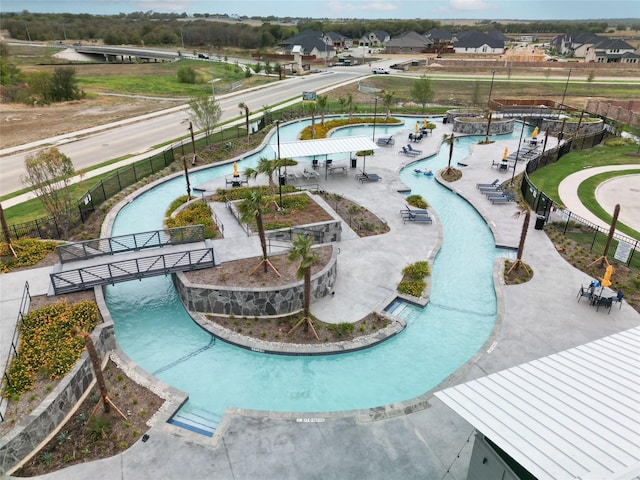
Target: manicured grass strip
{"points": [[587, 195]]}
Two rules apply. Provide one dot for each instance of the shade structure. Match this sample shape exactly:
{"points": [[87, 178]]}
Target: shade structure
{"points": [[235, 169], [505, 154], [535, 133], [326, 146]]}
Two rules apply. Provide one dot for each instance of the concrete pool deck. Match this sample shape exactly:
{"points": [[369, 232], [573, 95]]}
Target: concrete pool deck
{"points": [[419, 438]]}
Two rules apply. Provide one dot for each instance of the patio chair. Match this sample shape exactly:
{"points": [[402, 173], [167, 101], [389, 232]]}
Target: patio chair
{"points": [[618, 298], [584, 292], [605, 303]]}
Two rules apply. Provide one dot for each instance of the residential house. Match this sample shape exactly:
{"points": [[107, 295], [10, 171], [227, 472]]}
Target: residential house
{"points": [[474, 41], [439, 36], [611, 51], [312, 43], [377, 38], [408, 42], [336, 40]]}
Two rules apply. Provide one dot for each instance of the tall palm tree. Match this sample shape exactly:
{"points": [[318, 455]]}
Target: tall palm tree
{"points": [[253, 207], [313, 110], [523, 237], [387, 100], [450, 140], [264, 167], [243, 106], [342, 101], [349, 104], [322, 102], [302, 250]]}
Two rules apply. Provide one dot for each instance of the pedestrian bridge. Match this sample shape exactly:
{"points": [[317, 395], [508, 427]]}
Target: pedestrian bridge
{"points": [[132, 257]]}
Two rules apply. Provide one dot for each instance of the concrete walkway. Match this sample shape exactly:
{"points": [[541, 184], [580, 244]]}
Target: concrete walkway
{"points": [[416, 439]]}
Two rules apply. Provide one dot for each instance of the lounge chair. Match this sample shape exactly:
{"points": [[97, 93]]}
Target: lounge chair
{"points": [[368, 177], [418, 152], [417, 217], [406, 151], [492, 184], [492, 189], [386, 142], [508, 198]]}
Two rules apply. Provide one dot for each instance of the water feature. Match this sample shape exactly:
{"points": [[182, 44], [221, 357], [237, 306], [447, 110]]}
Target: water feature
{"points": [[156, 332]]}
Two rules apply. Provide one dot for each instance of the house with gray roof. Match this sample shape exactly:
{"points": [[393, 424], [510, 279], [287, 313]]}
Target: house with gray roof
{"points": [[474, 41], [408, 42], [439, 35], [312, 42], [611, 51], [376, 38]]}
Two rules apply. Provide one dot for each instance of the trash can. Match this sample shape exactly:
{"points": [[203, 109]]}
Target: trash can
{"points": [[444, 119], [539, 222], [354, 162], [283, 180]]}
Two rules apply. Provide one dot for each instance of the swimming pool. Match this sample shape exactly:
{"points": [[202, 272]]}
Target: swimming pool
{"points": [[156, 332]]}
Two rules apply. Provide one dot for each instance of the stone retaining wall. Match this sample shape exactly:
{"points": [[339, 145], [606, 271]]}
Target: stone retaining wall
{"points": [[321, 232], [479, 126], [586, 128], [253, 301], [36, 427]]}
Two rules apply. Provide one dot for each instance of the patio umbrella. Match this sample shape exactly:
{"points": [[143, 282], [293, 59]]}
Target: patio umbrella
{"points": [[606, 280], [424, 123], [505, 154], [535, 133], [417, 127], [235, 169]]}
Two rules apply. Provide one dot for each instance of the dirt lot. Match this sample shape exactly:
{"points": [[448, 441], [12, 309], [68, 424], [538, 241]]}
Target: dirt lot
{"points": [[23, 124]]}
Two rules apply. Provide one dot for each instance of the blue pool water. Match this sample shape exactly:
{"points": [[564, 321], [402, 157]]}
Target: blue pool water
{"points": [[153, 328]]}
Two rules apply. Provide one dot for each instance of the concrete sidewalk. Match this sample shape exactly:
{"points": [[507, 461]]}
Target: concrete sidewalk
{"points": [[416, 439]]}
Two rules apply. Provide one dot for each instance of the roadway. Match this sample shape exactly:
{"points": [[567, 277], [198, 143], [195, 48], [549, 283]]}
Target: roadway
{"points": [[142, 135]]}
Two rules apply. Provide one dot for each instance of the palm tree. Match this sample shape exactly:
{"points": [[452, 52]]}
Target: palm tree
{"points": [[450, 140], [253, 207], [313, 110], [302, 250], [322, 101], [243, 106], [387, 99], [523, 237], [342, 101], [265, 167], [349, 104]]}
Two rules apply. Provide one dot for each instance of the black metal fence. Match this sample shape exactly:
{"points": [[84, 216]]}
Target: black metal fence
{"points": [[623, 248], [13, 350]]}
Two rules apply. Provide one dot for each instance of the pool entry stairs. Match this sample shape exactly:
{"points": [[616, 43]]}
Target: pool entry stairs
{"points": [[196, 420], [171, 250]]}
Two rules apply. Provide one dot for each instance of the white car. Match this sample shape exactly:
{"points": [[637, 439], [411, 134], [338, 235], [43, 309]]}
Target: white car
{"points": [[380, 70]]}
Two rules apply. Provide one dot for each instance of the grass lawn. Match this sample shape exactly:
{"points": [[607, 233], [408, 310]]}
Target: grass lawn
{"points": [[548, 178]]}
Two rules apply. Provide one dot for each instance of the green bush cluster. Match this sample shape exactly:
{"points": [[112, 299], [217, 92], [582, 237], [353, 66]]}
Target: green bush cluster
{"points": [[198, 213], [49, 343], [417, 271], [417, 201], [341, 329], [412, 287], [29, 251], [322, 130]]}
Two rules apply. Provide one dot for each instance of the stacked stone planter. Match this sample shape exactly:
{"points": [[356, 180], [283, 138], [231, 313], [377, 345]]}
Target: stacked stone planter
{"points": [[251, 302], [590, 126]]}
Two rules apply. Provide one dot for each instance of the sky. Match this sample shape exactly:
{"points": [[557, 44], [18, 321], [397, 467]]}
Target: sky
{"points": [[364, 9]]}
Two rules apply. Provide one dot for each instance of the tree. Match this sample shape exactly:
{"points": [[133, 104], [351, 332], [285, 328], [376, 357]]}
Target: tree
{"points": [[450, 140], [348, 103], [186, 74], [322, 101], [313, 109], [49, 173], [205, 113], [243, 106], [268, 167], [302, 250], [475, 93], [387, 100], [253, 207], [63, 85], [523, 237], [422, 91]]}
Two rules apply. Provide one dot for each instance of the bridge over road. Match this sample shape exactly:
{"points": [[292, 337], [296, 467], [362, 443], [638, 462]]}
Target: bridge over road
{"points": [[135, 257]]}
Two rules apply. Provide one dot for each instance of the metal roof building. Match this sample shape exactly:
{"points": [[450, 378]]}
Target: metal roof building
{"points": [[571, 415]]}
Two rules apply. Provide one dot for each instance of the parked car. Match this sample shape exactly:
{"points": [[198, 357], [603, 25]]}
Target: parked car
{"points": [[203, 55], [380, 70]]}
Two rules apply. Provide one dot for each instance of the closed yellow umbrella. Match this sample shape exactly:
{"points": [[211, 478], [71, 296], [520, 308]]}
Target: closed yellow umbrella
{"points": [[505, 154], [417, 127], [235, 169], [424, 123], [535, 133], [606, 280]]}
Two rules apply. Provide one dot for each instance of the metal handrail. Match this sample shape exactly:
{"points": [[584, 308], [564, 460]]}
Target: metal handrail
{"points": [[13, 351]]}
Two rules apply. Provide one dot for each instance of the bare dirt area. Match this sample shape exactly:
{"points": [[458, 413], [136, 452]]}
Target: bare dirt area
{"points": [[24, 124]]}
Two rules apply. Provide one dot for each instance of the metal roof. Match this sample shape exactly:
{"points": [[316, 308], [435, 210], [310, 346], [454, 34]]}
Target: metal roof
{"points": [[572, 415], [324, 146]]}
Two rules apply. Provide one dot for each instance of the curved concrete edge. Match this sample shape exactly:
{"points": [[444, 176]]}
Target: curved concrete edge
{"points": [[568, 191], [227, 335]]}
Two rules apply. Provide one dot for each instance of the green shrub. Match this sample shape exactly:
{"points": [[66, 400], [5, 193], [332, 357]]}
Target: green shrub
{"points": [[197, 213], [417, 201], [417, 271], [29, 251], [412, 287], [341, 329]]}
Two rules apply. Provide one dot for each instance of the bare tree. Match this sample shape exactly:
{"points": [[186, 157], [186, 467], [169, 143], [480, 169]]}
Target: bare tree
{"points": [[49, 174]]}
